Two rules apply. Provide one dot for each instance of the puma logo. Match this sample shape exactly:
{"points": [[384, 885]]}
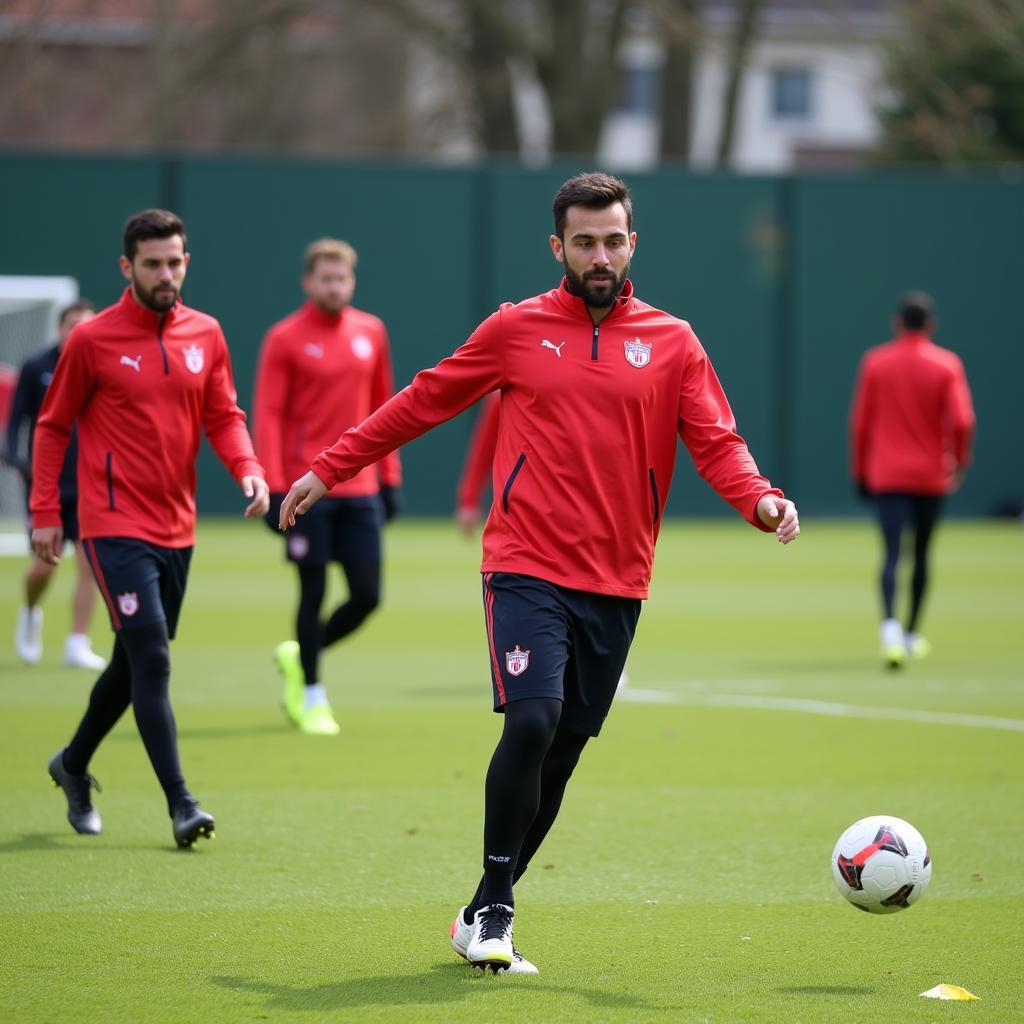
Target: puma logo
{"points": [[133, 363], [557, 349]]}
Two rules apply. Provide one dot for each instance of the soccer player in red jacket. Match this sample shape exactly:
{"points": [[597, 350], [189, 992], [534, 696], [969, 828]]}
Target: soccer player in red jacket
{"points": [[323, 369], [911, 428], [595, 388], [143, 379]]}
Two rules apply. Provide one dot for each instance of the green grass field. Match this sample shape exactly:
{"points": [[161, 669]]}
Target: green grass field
{"points": [[687, 878]]}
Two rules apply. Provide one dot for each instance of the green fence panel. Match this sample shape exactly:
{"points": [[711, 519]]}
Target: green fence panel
{"points": [[859, 243]]}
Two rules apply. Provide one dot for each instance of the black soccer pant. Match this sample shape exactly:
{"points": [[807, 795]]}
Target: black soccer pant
{"points": [[895, 513], [363, 578], [139, 674], [526, 781]]}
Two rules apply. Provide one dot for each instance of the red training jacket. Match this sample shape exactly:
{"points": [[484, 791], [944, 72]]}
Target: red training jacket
{"points": [[141, 387], [318, 375], [912, 419], [587, 439], [480, 454]]}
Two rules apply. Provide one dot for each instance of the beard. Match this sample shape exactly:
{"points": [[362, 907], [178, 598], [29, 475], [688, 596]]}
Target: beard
{"points": [[160, 299], [582, 285]]}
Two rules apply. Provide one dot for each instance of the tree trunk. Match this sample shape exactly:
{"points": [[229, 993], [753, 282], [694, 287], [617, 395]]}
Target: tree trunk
{"points": [[743, 37]]}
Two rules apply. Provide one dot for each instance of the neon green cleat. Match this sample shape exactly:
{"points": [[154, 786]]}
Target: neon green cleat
{"points": [[917, 646], [319, 721], [895, 655], [293, 699]]}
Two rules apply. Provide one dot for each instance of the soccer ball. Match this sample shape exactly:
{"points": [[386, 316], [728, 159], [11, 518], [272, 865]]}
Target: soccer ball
{"points": [[881, 864]]}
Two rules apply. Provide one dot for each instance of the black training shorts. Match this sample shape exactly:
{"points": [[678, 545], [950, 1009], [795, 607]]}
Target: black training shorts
{"points": [[141, 583], [549, 641]]}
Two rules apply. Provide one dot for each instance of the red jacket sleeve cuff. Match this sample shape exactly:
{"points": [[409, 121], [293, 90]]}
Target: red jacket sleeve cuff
{"points": [[42, 520]]}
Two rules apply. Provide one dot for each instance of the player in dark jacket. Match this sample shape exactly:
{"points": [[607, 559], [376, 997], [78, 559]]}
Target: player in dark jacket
{"points": [[34, 379]]}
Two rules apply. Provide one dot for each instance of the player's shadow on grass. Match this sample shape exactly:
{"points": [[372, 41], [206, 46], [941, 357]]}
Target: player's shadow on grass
{"points": [[33, 842], [442, 983], [826, 990]]}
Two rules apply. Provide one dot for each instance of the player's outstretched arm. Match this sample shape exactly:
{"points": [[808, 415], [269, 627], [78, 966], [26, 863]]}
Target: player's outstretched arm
{"points": [[255, 487], [303, 495], [781, 515]]}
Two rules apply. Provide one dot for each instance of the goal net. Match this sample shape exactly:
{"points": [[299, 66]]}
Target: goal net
{"points": [[29, 308]]}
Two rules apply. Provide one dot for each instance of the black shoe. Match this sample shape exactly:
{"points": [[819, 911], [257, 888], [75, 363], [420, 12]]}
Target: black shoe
{"points": [[191, 822], [84, 818]]}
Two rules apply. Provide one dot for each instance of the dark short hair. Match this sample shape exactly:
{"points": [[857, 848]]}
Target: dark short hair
{"points": [[78, 306], [594, 190], [916, 310], [151, 224]]}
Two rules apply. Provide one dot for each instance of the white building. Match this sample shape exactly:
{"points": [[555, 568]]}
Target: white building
{"points": [[808, 96]]}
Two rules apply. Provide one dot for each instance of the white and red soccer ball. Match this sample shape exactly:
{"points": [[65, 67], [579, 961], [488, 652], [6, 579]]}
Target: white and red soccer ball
{"points": [[881, 864]]}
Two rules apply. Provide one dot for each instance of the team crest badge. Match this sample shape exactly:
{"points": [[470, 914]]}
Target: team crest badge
{"points": [[362, 346], [637, 353], [128, 603], [194, 359], [517, 661]]}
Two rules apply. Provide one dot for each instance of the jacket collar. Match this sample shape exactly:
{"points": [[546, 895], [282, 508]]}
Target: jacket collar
{"points": [[913, 338], [577, 307], [311, 311], [143, 317]]}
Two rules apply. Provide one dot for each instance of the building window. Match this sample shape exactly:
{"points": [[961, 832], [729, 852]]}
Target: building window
{"points": [[640, 91], [791, 93]]}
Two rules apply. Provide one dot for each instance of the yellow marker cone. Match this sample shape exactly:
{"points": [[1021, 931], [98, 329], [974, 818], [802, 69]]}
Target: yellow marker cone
{"points": [[949, 992]]}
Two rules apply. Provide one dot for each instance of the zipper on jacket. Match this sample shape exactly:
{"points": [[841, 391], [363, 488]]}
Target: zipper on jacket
{"points": [[593, 347], [654, 495], [511, 480], [110, 480], [163, 350]]}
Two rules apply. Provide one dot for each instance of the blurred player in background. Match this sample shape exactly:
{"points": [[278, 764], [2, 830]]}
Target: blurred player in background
{"points": [[596, 387], [143, 379], [323, 369], [33, 381], [911, 428]]}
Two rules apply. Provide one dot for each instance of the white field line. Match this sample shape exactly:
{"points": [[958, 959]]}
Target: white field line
{"points": [[819, 707]]}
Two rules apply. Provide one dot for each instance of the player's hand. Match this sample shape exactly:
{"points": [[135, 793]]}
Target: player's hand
{"points": [[779, 513], [392, 499], [468, 517], [47, 543], [255, 487], [304, 494]]}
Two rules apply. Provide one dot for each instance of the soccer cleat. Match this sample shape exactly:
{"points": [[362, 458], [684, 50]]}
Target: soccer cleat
{"points": [[917, 646], [84, 818], [895, 656], [490, 942], [319, 721], [79, 654], [461, 933], [28, 637], [894, 648], [190, 822], [292, 697]]}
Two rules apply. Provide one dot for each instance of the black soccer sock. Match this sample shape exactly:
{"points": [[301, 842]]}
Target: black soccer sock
{"points": [[150, 659], [512, 792], [363, 578], [110, 697], [559, 763], [312, 585]]}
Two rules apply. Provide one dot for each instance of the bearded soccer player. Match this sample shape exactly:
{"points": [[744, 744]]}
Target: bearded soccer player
{"points": [[911, 427], [595, 387], [143, 379], [323, 369]]}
